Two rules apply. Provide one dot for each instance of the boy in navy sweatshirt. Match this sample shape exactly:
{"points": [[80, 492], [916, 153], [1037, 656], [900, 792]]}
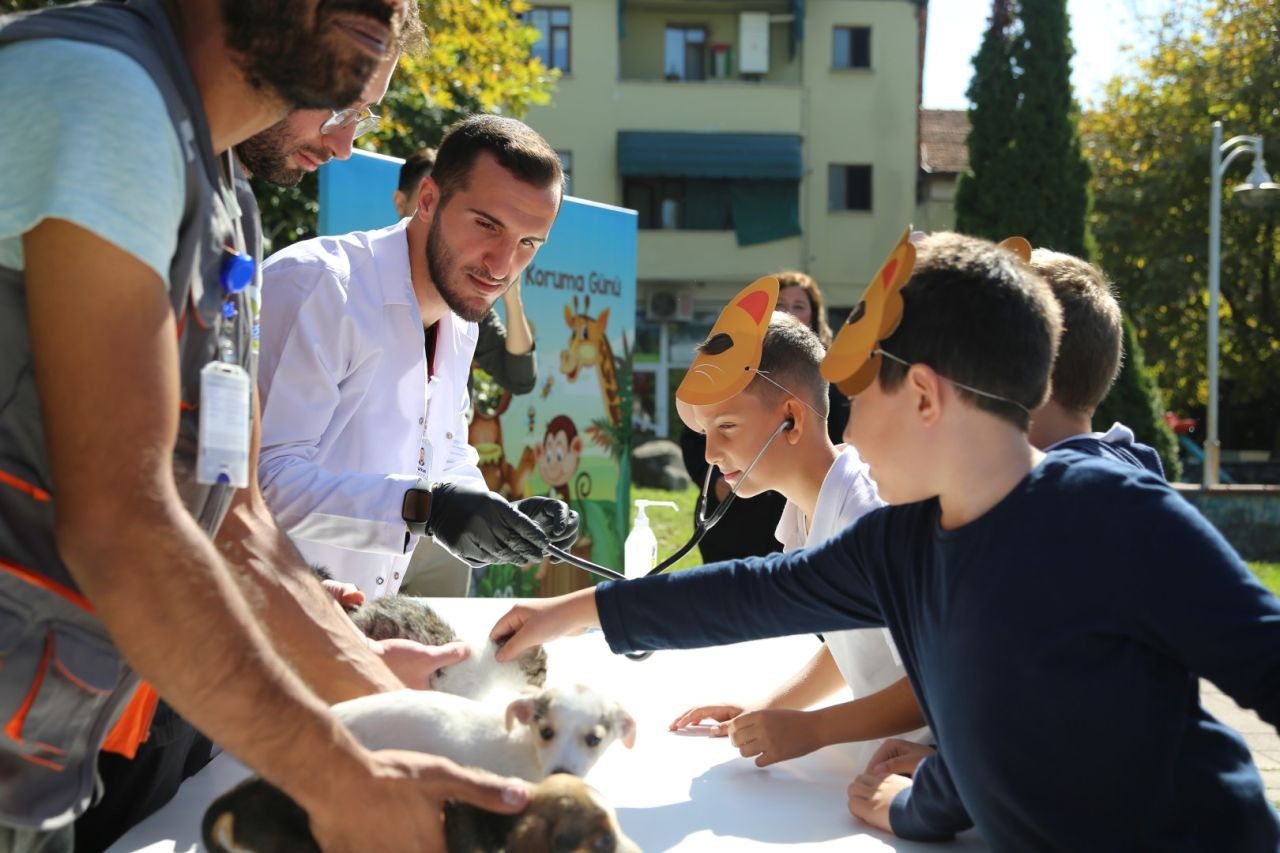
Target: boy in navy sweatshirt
{"points": [[1029, 595]]}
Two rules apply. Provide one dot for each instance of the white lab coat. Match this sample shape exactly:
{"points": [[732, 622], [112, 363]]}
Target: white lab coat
{"points": [[343, 380]]}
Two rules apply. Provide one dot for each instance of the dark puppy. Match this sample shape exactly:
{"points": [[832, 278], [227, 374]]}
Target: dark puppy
{"points": [[564, 815]]}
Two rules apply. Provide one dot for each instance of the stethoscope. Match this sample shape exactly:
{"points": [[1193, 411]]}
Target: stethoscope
{"points": [[703, 523]]}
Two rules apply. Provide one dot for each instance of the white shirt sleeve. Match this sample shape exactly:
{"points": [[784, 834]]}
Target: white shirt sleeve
{"points": [[307, 343], [87, 139]]}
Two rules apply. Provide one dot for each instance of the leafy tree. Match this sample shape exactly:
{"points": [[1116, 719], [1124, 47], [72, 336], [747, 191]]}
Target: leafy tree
{"points": [[1149, 138], [1136, 402]]}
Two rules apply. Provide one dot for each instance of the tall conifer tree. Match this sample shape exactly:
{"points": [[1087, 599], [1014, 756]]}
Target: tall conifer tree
{"points": [[1046, 156], [1028, 175], [993, 95]]}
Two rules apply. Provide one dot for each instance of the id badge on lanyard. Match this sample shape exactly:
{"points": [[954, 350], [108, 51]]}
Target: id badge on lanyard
{"points": [[224, 425], [226, 394]]}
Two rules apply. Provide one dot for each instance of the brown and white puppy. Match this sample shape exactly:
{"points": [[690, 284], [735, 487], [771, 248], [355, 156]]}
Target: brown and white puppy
{"points": [[556, 730], [565, 815]]}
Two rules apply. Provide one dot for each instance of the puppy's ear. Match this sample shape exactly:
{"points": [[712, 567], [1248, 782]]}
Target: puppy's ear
{"points": [[520, 709], [530, 832], [626, 727]]}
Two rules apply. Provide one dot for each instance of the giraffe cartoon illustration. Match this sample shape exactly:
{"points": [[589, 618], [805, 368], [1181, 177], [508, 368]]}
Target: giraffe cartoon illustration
{"points": [[589, 347]]}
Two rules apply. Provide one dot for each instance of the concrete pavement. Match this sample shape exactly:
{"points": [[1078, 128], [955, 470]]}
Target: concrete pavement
{"points": [[1261, 737]]}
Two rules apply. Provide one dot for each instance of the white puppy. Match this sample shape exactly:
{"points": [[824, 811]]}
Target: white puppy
{"points": [[555, 730]]}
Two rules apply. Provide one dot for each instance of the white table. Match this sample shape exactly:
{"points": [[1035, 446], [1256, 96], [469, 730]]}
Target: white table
{"points": [[673, 791]]}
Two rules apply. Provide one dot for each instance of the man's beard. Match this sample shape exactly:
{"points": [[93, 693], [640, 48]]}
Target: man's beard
{"points": [[306, 63], [266, 157], [440, 264]]}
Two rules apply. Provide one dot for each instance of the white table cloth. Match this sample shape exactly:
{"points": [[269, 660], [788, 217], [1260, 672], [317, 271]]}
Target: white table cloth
{"points": [[673, 791]]}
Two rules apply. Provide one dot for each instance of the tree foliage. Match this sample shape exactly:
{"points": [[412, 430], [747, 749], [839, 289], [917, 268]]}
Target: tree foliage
{"points": [[1136, 402], [1028, 175], [477, 60], [1149, 141]]}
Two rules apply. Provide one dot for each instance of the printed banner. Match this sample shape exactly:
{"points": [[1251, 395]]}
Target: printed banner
{"points": [[571, 437]]}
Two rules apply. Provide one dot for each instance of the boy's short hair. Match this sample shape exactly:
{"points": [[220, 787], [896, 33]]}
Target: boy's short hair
{"points": [[790, 357], [979, 316], [1093, 331], [518, 148], [416, 167]]}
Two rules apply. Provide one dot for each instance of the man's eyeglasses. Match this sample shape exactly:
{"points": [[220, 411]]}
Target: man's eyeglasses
{"points": [[365, 120]]}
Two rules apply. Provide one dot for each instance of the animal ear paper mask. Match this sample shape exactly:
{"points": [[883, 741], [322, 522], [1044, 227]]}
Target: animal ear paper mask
{"points": [[853, 361], [731, 355], [1019, 246]]}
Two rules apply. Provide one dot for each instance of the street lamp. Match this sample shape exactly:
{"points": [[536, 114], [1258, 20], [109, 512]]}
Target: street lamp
{"points": [[1257, 190]]}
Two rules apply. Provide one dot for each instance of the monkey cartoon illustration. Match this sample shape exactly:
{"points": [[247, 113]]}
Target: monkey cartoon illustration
{"points": [[561, 452], [557, 463]]}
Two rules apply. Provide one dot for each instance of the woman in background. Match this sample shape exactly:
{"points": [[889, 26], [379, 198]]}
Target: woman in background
{"points": [[800, 296]]}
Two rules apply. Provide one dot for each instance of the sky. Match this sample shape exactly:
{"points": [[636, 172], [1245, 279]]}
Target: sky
{"points": [[1099, 28]]}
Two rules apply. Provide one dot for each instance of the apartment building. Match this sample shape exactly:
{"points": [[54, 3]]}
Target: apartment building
{"points": [[751, 136]]}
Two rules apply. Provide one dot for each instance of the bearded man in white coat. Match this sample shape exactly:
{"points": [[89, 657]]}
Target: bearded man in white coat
{"points": [[366, 344]]}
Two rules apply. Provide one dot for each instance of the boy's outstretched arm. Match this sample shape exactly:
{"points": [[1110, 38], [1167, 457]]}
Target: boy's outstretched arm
{"points": [[892, 711], [815, 681], [527, 625], [775, 735]]}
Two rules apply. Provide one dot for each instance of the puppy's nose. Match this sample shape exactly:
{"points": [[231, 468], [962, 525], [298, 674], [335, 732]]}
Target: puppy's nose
{"points": [[606, 843]]}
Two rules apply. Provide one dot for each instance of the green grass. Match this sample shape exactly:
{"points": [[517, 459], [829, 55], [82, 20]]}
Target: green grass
{"points": [[1268, 573], [671, 527]]}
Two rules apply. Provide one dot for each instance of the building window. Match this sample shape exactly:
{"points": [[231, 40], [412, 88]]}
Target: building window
{"points": [[851, 47], [848, 187], [679, 204], [553, 23], [566, 166], [686, 53]]}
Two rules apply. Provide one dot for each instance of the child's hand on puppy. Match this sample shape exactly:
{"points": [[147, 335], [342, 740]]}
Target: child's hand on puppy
{"points": [[870, 797], [536, 622]]}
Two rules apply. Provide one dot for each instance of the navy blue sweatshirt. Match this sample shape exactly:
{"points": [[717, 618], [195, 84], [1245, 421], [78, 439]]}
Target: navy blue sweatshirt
{"points": [[1054, 643], [1117, 443]]}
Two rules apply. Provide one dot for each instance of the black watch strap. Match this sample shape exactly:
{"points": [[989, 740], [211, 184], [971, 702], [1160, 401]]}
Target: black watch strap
{"points": [[415, 509]]}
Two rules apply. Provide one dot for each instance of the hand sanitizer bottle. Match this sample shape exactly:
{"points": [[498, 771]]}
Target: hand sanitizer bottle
{"points": [[640, 553]]}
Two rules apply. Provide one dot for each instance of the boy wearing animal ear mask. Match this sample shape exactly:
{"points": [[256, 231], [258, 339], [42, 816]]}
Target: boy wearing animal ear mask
{"points": [[827, 488]]}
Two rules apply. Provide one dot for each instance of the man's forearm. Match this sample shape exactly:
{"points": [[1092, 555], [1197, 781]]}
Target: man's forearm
{"points": [[201, 647], [307, 626]]}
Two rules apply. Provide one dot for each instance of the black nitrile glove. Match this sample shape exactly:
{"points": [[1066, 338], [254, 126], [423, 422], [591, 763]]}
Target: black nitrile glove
{"points": [[554, 517], [478, 526]]}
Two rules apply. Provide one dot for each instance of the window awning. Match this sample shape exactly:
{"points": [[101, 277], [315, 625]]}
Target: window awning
{"points": [[773, 156]]}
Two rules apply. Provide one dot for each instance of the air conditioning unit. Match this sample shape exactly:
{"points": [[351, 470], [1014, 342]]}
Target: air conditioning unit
{"points": [[669, 305], [753, 43]]}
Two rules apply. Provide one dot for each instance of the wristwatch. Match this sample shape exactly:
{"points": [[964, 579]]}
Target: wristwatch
{"points": [[415, 509]]}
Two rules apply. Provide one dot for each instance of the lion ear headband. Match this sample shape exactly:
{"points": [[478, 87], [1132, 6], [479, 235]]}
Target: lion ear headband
{"points": [[730, 358], [853, 361]]}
